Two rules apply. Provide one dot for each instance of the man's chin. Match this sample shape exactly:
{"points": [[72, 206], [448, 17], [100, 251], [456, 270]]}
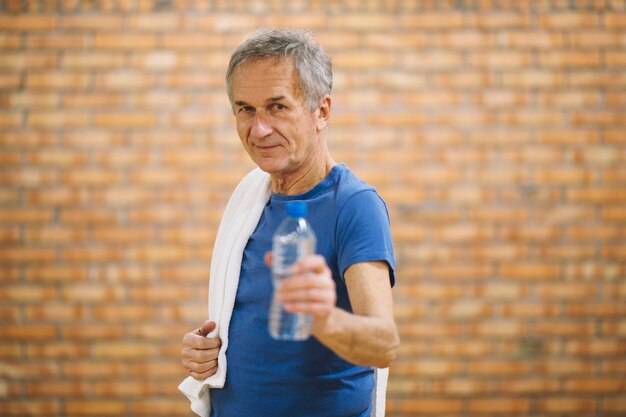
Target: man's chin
{"points": [[270, 165]]}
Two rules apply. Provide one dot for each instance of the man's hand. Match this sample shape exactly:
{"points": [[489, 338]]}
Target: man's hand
{"points": [[310, 289], [199, 353]]}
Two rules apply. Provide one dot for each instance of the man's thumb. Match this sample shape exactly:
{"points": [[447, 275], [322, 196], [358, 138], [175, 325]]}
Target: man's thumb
{"points": [[207, 327]]}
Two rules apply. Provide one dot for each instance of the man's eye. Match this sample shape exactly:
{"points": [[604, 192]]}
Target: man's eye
{"points": [[278, 106], [246, 109]]}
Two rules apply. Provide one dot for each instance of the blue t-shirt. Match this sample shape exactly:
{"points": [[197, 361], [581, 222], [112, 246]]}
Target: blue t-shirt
{"points": [[267, 377]]}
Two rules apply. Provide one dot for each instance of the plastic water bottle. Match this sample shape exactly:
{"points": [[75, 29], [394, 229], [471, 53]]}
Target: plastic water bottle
{"points": [[293, 240]]}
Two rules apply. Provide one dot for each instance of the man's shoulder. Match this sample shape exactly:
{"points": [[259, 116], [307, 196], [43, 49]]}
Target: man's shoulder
{"points": [[350, 184]]}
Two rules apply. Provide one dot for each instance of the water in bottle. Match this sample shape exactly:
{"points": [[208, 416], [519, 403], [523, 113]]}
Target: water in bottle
{"points": [[293, 240]]}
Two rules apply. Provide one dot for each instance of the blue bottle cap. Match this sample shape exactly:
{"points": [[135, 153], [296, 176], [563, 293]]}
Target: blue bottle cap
{"points": [[296, 209]]}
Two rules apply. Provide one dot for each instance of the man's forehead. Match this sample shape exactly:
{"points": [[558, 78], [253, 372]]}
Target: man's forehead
{"points": [[272, 77]]}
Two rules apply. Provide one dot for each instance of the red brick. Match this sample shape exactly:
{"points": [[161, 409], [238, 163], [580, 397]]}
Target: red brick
{"points": [[28, 60], [95, 407], [89, 139], [53, 312], [594, 78], [124, 350], [91, 177], [425, 405], [87, 216], [570, 59], [91, 332], [615, 20], [93, 22], [90, 293], [539, 386], [92, 61], [182, 80], [431, 21], [220, 22], [495, 367], [160, 407], [615, 404], [459, 386], [54, 235], [20, 407], [122, 235], [566, 404], [33, 332], [123, 313], [11, 120], [159, 215], [595, 385], [27, 22], [124, 79], [33, 100], [157, 22], [93, 369], [10, 350], [124, 41], [87, 99], [57, 389], [565, 328], [56, 41], [595, 309], [606, 347], [57, 350], [57, 80], [531, 309], [91, 254], [156, 370], [125, 120], [23, 255], [500, 405], [505, 59], [55, 197], [186, 41], [596, 195], [10, 41], [194, 120], [594, 38], [614, 328], [10, 81], [27, 293]]}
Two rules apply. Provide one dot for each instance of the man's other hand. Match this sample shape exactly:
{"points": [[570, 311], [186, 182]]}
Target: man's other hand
{"points": [[199, 353]]}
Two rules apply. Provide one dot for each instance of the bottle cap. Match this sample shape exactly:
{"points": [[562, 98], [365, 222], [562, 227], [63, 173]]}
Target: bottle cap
{"points": [[296, 209]]}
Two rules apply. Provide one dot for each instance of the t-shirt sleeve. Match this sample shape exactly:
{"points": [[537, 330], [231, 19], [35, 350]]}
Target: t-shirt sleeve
{"points": [[363, 232]]}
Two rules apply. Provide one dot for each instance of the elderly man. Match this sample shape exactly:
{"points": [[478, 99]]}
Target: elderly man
{"points": [[279, 85]]}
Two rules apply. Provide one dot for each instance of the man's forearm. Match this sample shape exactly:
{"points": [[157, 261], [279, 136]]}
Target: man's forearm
{"points": [[362, 340]]}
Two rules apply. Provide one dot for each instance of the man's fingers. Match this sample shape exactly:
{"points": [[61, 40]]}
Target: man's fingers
{"points": [[198, 355], [315, 309], [200, 368], [309, 294], [313, 263], [206, 328], [203, 375]]}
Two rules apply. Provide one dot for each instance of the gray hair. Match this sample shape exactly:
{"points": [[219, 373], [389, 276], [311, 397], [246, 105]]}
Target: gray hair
{"points": [[312, 64]]}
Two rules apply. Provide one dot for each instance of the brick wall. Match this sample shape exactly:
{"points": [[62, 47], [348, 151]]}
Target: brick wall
{"points": [[495, 130]]}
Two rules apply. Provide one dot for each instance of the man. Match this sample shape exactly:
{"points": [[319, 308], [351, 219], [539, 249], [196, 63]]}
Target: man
{"points": [[279, 85]]}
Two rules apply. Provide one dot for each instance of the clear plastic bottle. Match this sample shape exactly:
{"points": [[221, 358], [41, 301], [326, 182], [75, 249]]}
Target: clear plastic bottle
{"points": [[293, 240]]}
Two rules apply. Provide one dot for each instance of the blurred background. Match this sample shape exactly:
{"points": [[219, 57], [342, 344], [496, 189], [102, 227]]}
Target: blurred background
{"points": [[495, 131]]}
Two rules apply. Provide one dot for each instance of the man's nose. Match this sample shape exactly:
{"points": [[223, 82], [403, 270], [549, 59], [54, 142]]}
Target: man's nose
{"points": [[261, 126]]}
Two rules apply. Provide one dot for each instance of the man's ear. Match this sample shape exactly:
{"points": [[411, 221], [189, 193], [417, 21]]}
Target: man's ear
{"points": [[324, 112]]}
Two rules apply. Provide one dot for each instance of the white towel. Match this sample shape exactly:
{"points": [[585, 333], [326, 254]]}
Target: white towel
{"points": [[239, 220]]}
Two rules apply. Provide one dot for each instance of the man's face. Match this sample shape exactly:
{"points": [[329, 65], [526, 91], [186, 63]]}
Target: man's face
{"points": [[275, 125]]}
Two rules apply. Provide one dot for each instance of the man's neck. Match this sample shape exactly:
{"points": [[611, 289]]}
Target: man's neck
{"points": [[304, 179]]}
